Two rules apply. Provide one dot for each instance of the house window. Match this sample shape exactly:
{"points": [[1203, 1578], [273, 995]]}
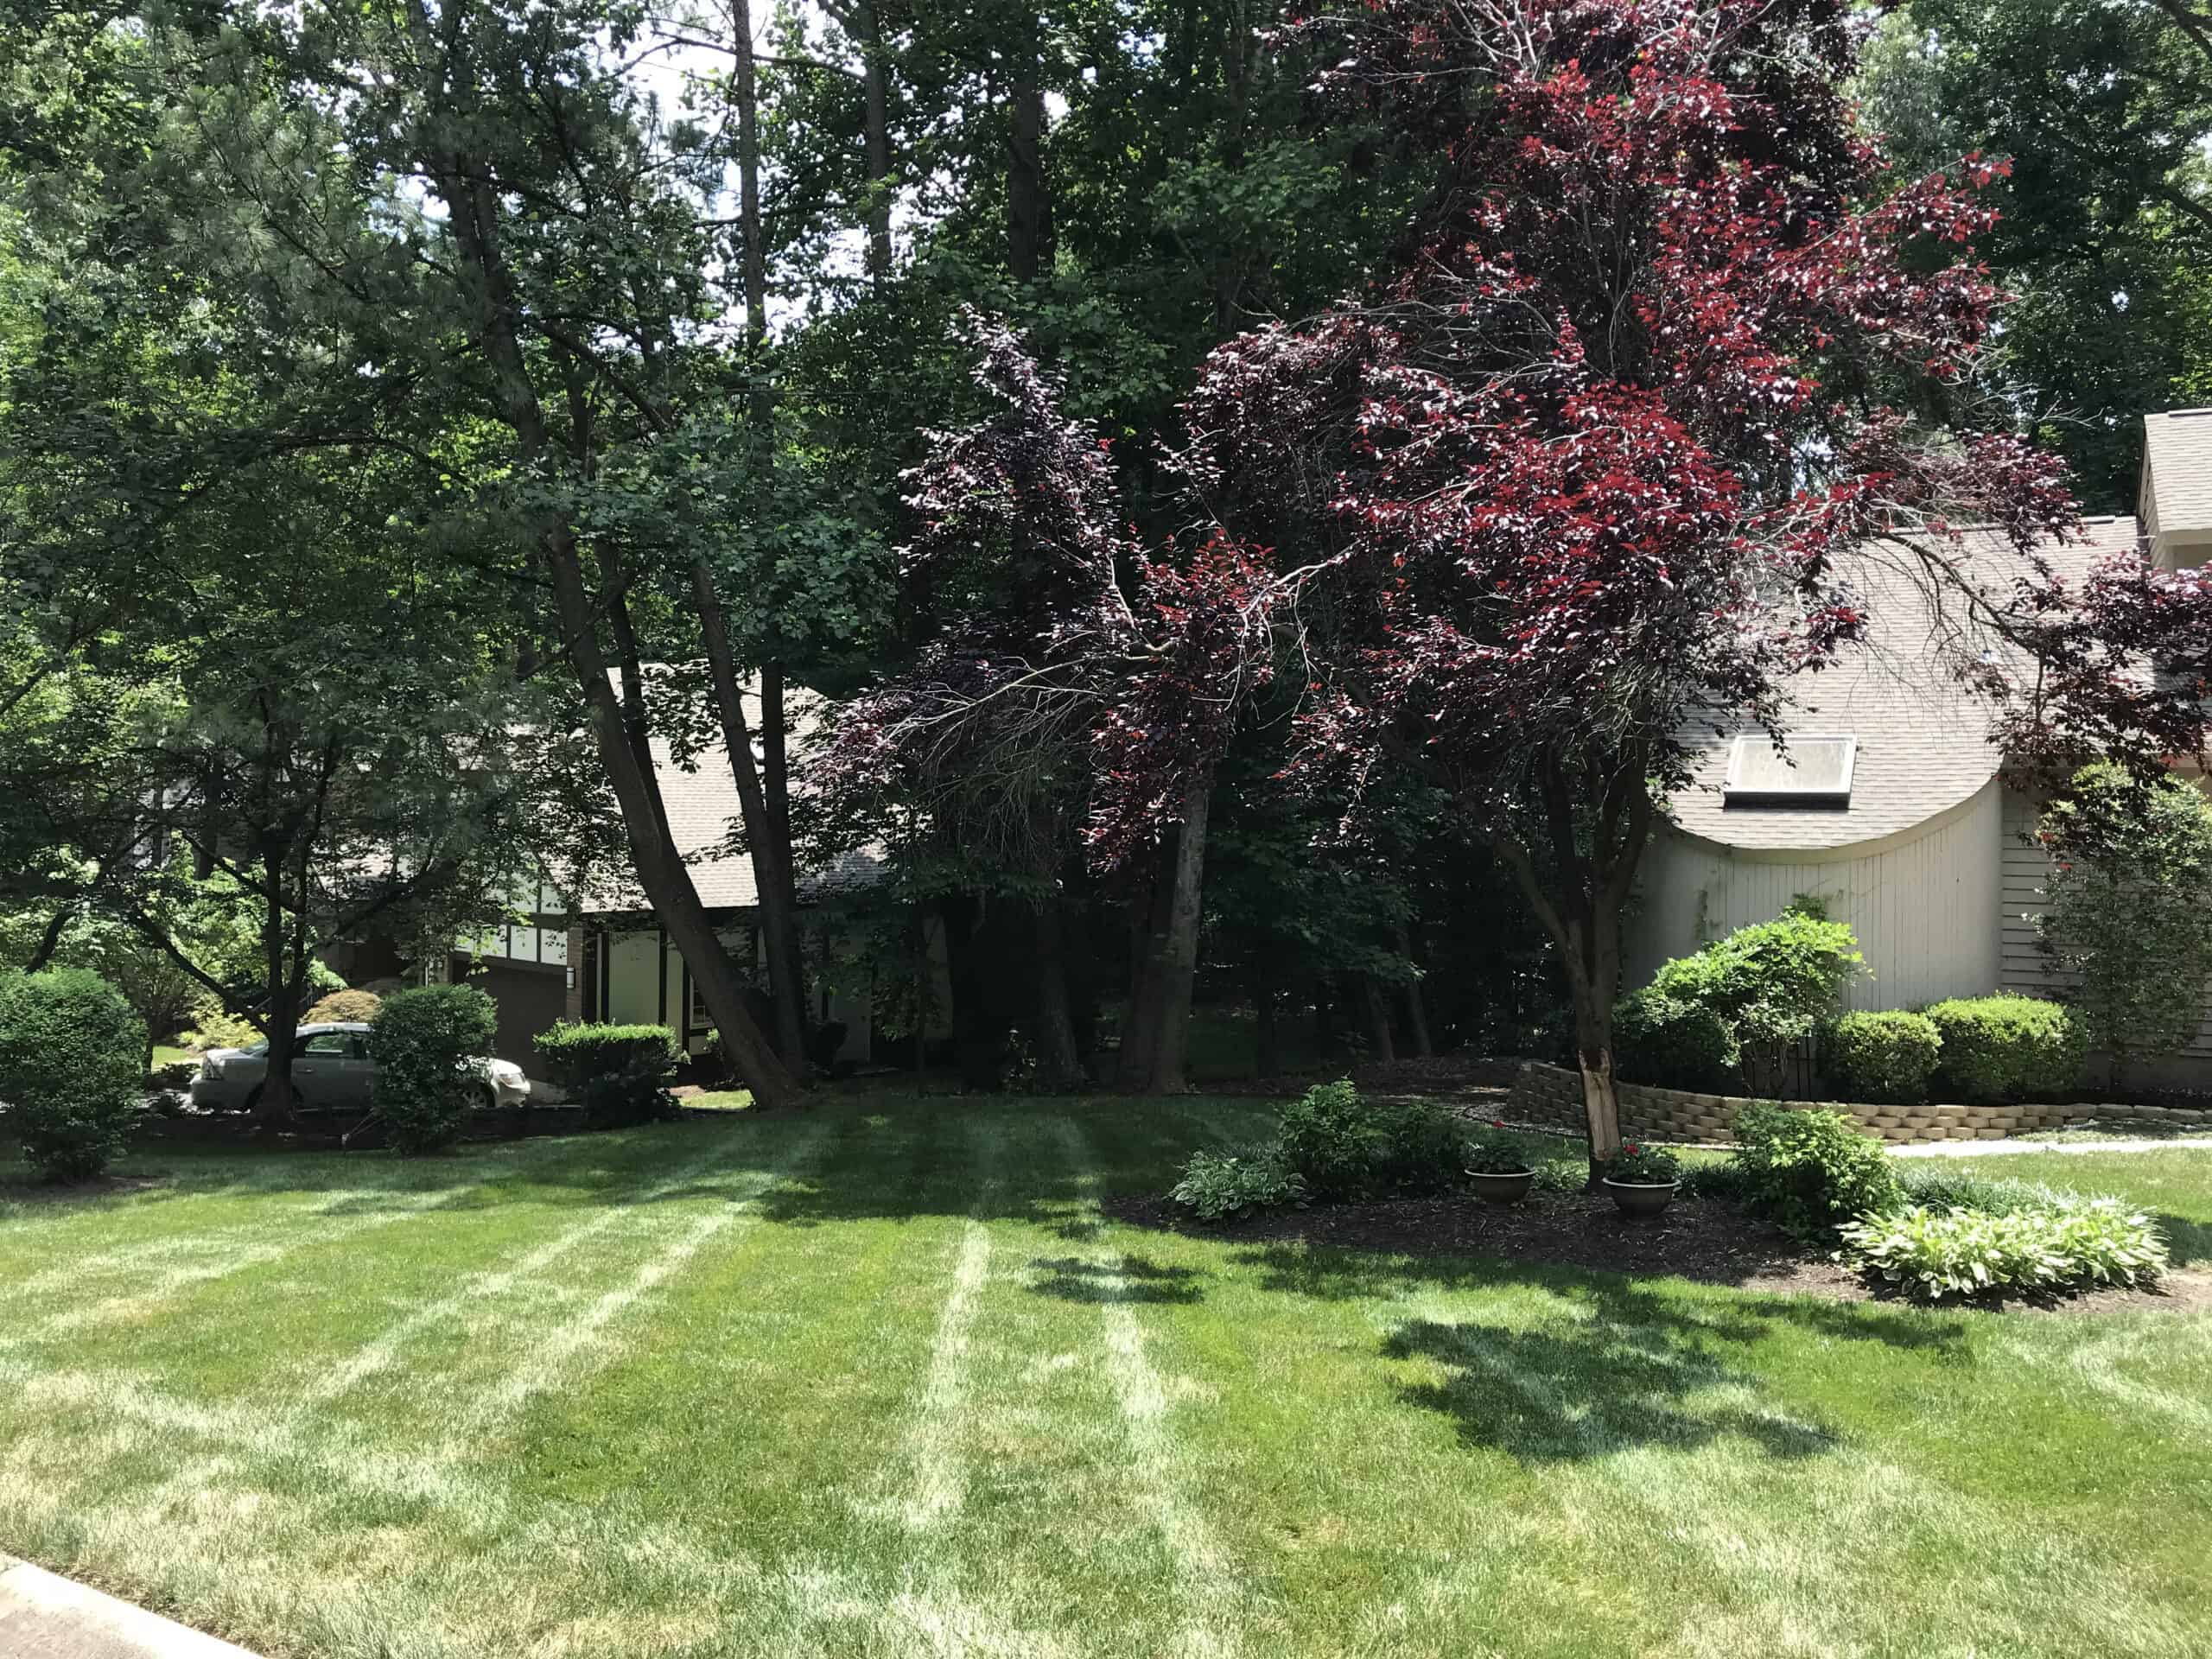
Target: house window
{"points": [[1808, 772]]}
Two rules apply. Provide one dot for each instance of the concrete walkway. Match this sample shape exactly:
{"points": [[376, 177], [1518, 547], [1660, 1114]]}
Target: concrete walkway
{"points": [[1999, 1148], [43, 1616]]}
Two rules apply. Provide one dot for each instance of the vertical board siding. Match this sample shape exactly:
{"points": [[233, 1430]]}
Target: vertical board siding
{"points": [[1926, 910]]}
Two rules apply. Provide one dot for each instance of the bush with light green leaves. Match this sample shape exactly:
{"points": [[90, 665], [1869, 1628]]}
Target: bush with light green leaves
{"points": [[1884, 1057], [72, 1070], [2065, 1245]]}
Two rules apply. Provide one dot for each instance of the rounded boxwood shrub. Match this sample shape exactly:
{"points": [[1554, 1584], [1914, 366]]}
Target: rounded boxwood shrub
{"points": [[422, 1041], [1885, 1058], [619, 1073], [1812, 1171], [1672, 1044], [72, 1070], [2005, 1047], [344, 1008]]}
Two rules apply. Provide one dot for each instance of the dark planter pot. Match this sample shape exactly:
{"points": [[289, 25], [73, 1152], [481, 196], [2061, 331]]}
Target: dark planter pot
{"points": [[1641, 1197], [1510, 1188]]}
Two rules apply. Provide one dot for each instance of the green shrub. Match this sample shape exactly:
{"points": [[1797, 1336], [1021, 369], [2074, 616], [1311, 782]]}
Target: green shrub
{"points": [[1811, 1171], [1216, 1185], [1498, 1151], [1328, 1139], [1772, 982], [2005, 1047], [1422, 1148], [220, 1031], [344, 1008], [1935, 1253], [1673, 1045], [1885, 1057], [620, 1074], [423, 1041], [72, 1070]]}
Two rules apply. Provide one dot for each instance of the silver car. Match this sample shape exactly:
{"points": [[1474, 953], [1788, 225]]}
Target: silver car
{"points": [[331, 1072]]}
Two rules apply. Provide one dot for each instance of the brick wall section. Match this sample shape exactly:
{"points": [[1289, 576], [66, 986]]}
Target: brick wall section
{"points": [[1551, 1093]]}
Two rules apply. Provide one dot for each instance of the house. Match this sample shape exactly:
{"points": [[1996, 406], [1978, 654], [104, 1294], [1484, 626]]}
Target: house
{"points": [[600, 956], [1889, 805]]}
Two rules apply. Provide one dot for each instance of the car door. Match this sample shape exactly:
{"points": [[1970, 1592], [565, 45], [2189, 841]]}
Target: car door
{"points": [[325, 1072]]}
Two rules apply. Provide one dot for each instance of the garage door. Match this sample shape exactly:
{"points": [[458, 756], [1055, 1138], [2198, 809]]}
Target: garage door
{"points": [[531, 999]]}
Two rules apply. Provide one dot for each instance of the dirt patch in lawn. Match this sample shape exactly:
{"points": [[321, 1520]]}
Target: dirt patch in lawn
{"points": [[1709, 1240]]}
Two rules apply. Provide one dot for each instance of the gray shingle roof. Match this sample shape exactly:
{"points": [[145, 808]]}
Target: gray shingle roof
{"points": [[702, 804], [2177, 467], [1923, 741]]}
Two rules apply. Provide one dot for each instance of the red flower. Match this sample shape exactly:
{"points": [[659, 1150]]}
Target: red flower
{"points": [[1497, 1122], [1631, 1146]]}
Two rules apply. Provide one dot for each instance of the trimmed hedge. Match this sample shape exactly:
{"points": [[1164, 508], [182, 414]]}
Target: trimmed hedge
{"points": [[1886, 1057], [2006, 1047], [421, 1041], [619, 1073], [72, 1070], [1673, 1045]]}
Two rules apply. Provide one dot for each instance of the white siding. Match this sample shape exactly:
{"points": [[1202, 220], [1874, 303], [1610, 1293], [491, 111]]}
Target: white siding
{"points": [[1925, 908]]}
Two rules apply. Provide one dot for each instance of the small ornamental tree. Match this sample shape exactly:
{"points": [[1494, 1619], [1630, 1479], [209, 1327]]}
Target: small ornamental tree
{"points": [[1603, 464], [2128, 921], [424, 1040], [72, 1058]]}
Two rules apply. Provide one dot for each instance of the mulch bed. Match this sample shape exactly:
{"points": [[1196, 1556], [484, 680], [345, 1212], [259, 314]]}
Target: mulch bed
{"points": [[1709, 1240]]}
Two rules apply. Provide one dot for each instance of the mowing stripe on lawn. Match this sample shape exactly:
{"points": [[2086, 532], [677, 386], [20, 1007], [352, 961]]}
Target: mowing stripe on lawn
{"points": [[379, 1355], [546, 1364], [1201, 1568], [168, 1283]]}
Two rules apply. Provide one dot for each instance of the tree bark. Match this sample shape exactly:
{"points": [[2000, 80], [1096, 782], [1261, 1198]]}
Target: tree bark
{"points": [[1029, 196], [1379, 1044], [282, 1015], [50, 940], [1141, 1023], [1181, 961], [1060, 1058], [473, 206], [769, 851], [876, 136], [1416, 1006]]}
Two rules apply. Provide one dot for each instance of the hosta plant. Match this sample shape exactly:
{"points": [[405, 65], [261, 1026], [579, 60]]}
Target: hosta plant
{"points": [[1217, 1185], [1938, 1253]]}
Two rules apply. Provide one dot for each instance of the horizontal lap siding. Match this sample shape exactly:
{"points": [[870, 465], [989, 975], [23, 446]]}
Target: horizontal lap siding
{"points": [[2026, 867]]}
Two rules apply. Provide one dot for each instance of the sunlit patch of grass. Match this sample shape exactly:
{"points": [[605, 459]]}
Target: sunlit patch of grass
{"points": [[881, 1378]]}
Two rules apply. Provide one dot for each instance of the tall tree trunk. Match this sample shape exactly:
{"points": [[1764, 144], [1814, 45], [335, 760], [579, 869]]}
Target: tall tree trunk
{"points": [[473, 207], [1028, 193], [876, 136], [745, 92], [1171, 1042], [1324, 1017], [281, 1015], [771, 878], [1416, 1005], [1376, 1009], [1141, 1022], [1059, 1058]]}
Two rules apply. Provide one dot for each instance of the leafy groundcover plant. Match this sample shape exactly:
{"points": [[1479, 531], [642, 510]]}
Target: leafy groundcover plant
{"points": [[1497, 1150], [1637, 1164], [1217, 1185], [2068, 1244]]}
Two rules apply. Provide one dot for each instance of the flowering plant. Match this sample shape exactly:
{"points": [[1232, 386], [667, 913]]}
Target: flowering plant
{"points": [[1643, 1166], [1496, 1151]]}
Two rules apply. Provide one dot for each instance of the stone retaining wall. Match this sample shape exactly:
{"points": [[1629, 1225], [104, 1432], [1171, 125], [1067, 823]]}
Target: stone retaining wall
{"points": [[1551, 1093]]}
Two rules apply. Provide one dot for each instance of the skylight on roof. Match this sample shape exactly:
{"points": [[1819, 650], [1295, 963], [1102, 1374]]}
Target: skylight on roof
{"points": [[1809, 772]]}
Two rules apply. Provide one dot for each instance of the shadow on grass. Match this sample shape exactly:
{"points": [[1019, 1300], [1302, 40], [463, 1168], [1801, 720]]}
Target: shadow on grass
{"points": [[1135, 1278], [1567, 1392]]}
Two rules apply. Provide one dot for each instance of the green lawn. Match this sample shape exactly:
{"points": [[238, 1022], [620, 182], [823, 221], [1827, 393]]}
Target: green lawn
{"points": [[881, 1381]]}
